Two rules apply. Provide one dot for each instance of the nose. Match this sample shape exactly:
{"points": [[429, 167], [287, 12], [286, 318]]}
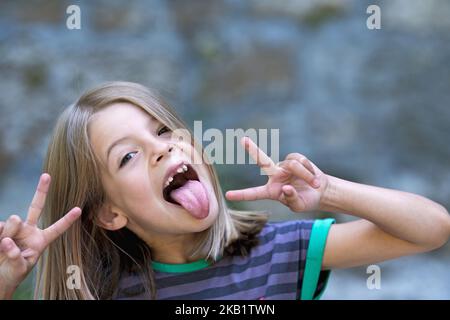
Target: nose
{"points": [[161, 150]]}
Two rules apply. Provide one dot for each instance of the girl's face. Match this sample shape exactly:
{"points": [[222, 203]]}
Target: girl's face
{"points": [[138, 154]]}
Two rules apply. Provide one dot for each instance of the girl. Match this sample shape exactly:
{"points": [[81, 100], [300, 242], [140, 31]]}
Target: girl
{"points": [[143, 221]]}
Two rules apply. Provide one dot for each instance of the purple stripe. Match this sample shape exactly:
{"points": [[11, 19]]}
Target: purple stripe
{"points": [[255, 293], [222, 266], [272, 269], [221, 281]]}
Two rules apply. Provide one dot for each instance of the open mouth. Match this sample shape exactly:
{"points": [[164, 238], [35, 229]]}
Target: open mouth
{"points": [[179, 179]]}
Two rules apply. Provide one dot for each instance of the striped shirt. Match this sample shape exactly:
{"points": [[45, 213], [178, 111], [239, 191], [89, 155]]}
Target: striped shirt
{"points": [[285, 265]]}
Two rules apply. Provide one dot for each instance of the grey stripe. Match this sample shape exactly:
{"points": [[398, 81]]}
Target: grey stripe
{"points": [[264, 270], [215, 292], [239, 264], [254, 264], [179, 283], [263, 246], [282, 288], [251, 294], [218, 292], [227, 269], [260, 292], [188, 279], [283, 225], [269, 232], [255, 293]]}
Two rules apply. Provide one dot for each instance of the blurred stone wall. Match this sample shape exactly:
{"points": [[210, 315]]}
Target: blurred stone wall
{"points": [[368, 106]]}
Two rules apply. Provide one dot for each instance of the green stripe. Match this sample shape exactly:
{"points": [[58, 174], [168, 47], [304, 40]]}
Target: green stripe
{"points": [[181, 267], [316, 248]]}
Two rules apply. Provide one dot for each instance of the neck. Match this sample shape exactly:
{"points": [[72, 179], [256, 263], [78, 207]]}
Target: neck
{"points": [[174, 249]]}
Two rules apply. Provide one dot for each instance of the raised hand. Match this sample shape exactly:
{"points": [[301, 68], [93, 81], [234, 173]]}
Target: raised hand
{"points": [[296, 182], [22, 242]]}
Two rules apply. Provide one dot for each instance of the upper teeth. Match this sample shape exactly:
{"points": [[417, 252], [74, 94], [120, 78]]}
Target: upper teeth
{"points": [[181, 169]]}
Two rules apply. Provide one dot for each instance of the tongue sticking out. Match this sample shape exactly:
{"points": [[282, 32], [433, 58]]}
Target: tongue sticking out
{"points": [[192, 196]]}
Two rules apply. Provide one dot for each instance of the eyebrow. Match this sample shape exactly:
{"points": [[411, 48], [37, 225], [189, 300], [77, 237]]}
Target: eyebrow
{"points": [[119, 141]]}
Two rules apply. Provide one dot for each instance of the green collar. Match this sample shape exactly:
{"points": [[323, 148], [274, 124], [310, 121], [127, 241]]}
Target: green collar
{"points": [[180, 267]]}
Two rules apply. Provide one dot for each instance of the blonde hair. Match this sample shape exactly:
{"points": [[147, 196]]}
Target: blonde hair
{"points": [[103, 255]]}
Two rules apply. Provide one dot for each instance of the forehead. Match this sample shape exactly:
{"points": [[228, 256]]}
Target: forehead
{"points": [[115, 121], [119, 113]]}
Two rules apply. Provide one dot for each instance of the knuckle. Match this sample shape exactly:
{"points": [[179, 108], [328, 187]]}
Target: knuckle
{"points": [[291, 164], [7, 244], [13, 253], [5, 240], [272, 170], [287, 164], [303, 160], [35, 206], [281, 164]]}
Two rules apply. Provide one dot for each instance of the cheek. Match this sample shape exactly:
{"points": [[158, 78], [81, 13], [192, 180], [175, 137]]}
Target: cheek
{"points": [[142, 202], [137, 191]]}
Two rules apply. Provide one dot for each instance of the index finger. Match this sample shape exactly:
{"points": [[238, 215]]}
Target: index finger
{"points": [[61, 226], [262, 159], [35, 209], [248, 194]]}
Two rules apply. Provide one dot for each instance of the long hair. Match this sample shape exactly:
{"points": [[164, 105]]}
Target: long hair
{"points": [[102, 255]]}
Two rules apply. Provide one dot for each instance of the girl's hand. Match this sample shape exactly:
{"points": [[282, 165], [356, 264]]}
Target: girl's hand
{"points": [[296, 182], [22, 242]]}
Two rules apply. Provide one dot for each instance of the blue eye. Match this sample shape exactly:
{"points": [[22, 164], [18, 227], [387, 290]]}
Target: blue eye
{"points": [[127, 158]]}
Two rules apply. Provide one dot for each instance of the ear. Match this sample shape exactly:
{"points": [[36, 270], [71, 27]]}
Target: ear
{"points": [[111, 219]]}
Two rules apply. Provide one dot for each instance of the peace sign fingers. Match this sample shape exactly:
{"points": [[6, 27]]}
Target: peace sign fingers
{"points": [[262, 159], [61, 226], [37, 204]]}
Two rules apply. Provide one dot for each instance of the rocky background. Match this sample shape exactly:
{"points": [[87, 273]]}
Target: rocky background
{"points": [[366, 105]]}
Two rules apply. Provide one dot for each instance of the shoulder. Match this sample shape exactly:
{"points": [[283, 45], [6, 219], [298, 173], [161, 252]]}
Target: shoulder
{"points": [[276, 231], [294, 235], [277, 237]]}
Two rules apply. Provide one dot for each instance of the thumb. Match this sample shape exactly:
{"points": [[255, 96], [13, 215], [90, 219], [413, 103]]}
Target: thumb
{"points": [[292, 199], [13, 254]]}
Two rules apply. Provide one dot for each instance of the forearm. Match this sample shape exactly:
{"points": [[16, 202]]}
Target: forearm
{"points": [[404, 215]]}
